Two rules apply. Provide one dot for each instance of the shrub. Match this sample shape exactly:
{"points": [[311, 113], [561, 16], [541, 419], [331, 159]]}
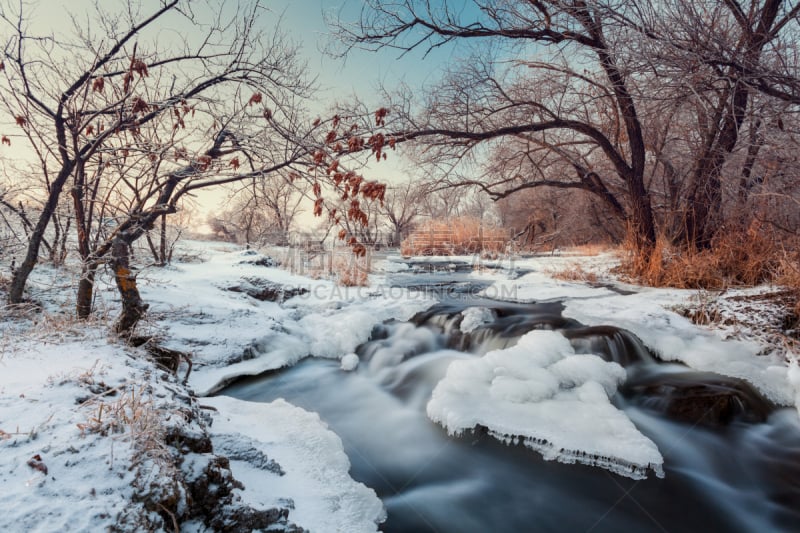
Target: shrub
{"points": [[744, 257]]}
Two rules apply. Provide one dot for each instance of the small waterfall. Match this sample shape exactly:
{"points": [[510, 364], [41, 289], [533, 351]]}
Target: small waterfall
{"points": [[732, 460]]}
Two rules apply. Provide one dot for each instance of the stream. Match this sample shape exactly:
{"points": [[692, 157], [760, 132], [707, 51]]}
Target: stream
{"points": [[731, 459]]}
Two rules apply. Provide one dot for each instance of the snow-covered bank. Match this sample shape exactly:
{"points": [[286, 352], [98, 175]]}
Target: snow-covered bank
{"points": [[649, 314], [313, 466], [96, 436], [231, 334], [57, 474]]}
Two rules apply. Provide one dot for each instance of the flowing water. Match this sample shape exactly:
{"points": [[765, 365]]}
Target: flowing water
{"points": [[731, 459]]}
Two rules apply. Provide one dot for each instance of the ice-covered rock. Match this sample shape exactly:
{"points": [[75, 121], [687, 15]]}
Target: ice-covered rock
{"points": [[475, 317], [553, 400]]}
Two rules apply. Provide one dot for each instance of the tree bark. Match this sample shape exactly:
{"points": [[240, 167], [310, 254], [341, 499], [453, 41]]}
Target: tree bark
{"points": [[85, 295], [21, 274], [133, 308]]}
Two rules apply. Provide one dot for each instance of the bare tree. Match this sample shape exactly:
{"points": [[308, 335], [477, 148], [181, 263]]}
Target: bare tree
{"points": [[402, 207], [263, 211], [633, 102], [139, 126], [559, 118]]}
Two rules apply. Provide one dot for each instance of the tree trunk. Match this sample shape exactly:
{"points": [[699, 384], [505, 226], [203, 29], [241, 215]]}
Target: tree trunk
{"points": [[162, 250], [23, 272], [133, 308], [85, 295]]}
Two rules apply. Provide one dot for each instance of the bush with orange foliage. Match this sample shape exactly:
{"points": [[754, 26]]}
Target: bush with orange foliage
{"points": [[457, 236], [748, 257]]}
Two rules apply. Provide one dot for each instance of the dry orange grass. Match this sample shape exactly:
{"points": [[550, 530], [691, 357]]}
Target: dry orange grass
{"points": [[748, 257], [589, 250], [575, 273], [458, 236], [351, 271]]}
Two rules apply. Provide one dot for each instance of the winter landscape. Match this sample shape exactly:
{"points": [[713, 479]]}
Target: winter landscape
{"points": [[399, 266]]}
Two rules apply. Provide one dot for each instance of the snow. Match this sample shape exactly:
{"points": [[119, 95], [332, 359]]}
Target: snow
{"points": [[475, 317], [45, 399], [557, 402], [648, 313], [675, 338], [55, 373], [540, 286], [350, 362], [230, 334], [316, 468]]}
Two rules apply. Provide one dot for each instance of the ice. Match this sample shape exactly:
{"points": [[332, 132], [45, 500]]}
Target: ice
{"points": [[675, 338], [794, 379], [316, 468], [475, 317], [553, 400], [349, 362]]}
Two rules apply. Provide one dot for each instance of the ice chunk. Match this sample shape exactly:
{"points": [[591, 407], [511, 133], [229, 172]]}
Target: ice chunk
{"points": [[475, 317], [551, 399], [349, 362], [794, 379]]}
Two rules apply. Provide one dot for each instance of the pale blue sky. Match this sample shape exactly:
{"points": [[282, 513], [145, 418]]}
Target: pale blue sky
{"points": [[303, 21]]}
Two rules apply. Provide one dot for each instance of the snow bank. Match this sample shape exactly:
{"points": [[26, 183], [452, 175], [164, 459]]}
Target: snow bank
{"points": [[81, 480], [553, 400], [316, 479], [230, 334], [675, 338]]}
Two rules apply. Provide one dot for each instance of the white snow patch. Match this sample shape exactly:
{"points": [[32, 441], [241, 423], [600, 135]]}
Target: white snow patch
{"points": [[557, 402], [88, 480], [675, 338], [475, 317], [539, 286], [326, 498], [350, 362], [390, 265]]}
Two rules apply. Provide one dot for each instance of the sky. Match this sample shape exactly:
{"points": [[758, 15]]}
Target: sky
{"points": [[360, 73], [304, 22]]}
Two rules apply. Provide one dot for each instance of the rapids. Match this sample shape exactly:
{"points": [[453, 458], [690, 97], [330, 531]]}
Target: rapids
{"points": [[731, 458]]}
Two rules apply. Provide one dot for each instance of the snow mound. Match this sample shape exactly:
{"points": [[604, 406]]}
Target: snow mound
{"points": [[554, 401], [349, 362], [675, 338], [314, 464], [475, 317]]}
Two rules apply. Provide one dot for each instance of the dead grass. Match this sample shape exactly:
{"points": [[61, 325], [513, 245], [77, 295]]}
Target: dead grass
{"points": [[575, 272], [589, 250], [458, 236], [351, 271], [737, 258]]}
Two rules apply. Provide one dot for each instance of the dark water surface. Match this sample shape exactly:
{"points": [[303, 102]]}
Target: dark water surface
{"points": [[736, 470]]}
